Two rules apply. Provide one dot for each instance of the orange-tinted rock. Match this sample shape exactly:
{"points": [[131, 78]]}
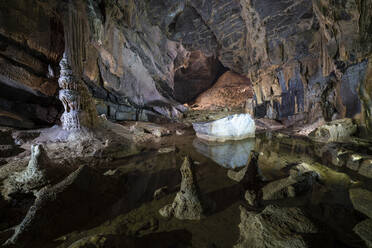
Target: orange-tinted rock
{"points": [[197, 77], [231, 90]]}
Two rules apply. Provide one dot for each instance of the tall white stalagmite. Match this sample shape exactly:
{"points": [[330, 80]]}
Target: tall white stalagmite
{"points": [[79, 108]]}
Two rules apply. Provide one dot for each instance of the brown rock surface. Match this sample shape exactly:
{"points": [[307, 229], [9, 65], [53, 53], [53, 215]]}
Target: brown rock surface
{"points": [[231, 90], [198, 76]]}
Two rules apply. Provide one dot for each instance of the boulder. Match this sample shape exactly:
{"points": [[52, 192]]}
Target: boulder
{"points": [[338, 130], [299, 181], [354, 161], [362, 200], [366, 168], [274, 227], [233, 127], [364, 231]]}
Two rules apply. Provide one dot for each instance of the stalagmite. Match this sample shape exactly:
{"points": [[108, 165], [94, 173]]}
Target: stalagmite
{"points": [[36, 175], [187, 204], [79, 110]]}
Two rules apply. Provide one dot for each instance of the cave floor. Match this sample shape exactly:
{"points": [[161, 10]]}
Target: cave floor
{"points": [[127, 215]]}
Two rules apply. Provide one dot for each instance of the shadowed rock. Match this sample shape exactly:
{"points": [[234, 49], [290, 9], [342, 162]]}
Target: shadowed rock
{"points": [[364, 230], [274, 227], [60, 208], [362, 200]]}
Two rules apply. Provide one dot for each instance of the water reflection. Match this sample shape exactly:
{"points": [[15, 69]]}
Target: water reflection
{"points": [[232, 154]]}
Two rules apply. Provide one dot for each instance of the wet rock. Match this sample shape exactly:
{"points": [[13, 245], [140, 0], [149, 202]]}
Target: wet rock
{"points": [[180, 132], [187, 204], [354, 161], [251, 197], [167, 149], [249, 173], [301, 181], [230, 90], [366, 168], [274, 227], [231, 154], [330, 178], [148, 225], [154, 129], [233, 127], [364, 230], [74, 199], [362, 200], [37, 174], [334, 154], [339, 130], [159, 193]]}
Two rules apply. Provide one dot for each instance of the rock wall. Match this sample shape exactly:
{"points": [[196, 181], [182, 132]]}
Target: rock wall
{"points": [[31, 42], [141, 59]]}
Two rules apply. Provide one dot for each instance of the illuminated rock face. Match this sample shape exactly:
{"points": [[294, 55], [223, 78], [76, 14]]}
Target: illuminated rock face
{"points": [[233, 127], [78, 105]]}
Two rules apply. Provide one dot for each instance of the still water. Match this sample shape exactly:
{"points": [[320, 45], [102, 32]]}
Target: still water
{"points": [[308, 213]]}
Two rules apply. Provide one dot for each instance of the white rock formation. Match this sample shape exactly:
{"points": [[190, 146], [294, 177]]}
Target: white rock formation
{"points": [[77, 102], [233, 127]]}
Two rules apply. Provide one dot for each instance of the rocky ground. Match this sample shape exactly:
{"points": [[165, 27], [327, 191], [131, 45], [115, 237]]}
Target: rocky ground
{"points": [[108, 190]]}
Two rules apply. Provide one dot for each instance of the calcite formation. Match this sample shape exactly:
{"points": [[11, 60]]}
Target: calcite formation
{"points": [[187, 204], [36, 175], [233, 127], [76, 100]]}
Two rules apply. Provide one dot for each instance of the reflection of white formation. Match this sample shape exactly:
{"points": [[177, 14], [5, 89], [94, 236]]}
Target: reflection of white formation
{"points": [[233, 127], [231, 154], [76, 100]]}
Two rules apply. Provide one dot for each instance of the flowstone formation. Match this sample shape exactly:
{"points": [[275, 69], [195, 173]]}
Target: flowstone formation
{"points": [[36, 175], [187, 204], [74, 95]]}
